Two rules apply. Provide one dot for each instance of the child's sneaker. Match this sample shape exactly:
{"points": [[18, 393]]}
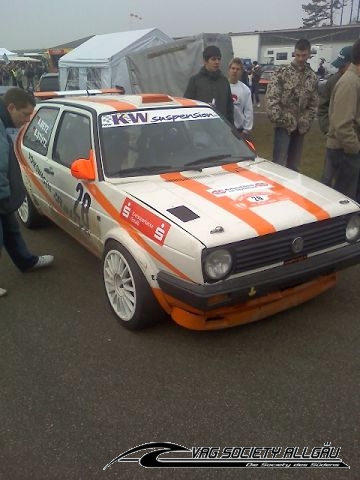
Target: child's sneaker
{"points": [[43, 261]]}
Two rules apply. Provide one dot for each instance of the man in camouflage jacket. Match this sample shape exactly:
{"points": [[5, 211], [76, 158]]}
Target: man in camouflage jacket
{"points": [[291, 104]]}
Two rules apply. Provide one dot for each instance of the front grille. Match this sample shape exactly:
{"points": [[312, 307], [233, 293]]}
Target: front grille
{"points": [[273, 248]]}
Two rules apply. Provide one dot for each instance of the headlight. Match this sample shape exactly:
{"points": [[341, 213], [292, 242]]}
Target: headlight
{"points": [[218, 264], [353, 229]]}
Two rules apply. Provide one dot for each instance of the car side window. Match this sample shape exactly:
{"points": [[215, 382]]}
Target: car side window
{"points": [[73, 139], [37, 136]]}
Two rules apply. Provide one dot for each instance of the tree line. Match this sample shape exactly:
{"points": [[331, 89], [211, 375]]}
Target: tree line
{"points": [[321, 13]]}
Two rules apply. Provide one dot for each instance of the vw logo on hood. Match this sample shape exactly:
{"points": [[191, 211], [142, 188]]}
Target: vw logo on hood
{"points": [[297, 245]]}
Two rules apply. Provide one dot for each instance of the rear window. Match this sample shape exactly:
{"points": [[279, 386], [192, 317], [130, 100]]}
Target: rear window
{"points": [[37, 136], [49, 83]]}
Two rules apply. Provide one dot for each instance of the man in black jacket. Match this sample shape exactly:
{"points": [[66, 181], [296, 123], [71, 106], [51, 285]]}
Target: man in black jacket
{"points": [[16, 108], [211, 86]]}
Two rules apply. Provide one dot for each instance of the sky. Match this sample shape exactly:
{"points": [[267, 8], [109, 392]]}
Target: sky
{"points": [[37, 24]]}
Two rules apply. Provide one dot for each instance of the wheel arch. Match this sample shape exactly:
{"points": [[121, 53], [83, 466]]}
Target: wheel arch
{"points": [[30, 192], [139, 254]]}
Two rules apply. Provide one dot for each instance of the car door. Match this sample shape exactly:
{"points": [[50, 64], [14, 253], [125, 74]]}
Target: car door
{"points": [[36, 147], [73, 203]]}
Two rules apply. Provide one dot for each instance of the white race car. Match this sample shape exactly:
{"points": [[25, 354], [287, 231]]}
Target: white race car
{"points": [[186, 217]]}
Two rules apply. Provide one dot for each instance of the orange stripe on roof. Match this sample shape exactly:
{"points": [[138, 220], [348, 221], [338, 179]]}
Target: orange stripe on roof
{"points": [[259, 224], [155, 98], [45, 95], [296, 198], [186, 102], [115, 104], [114, 213]]}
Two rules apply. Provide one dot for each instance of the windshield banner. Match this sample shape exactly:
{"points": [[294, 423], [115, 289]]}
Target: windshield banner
{"points": [[122, 119]]}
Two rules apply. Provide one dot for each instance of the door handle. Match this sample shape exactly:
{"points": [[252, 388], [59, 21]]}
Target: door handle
{"points": [[49, 170]]}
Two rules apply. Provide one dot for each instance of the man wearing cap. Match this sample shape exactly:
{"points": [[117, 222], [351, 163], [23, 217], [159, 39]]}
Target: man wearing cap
{"points": [[211, 86], [341, 63], [343, 138]]}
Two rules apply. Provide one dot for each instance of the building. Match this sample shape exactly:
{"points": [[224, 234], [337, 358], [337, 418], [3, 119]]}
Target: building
{"points": [[258, 45]]}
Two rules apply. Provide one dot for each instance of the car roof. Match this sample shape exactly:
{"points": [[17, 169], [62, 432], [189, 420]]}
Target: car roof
{"points": [[104, 103]]}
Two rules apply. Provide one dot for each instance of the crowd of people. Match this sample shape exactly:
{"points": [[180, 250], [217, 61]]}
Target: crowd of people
{"points": [[21, 74], [292, 103], [233, 95]]}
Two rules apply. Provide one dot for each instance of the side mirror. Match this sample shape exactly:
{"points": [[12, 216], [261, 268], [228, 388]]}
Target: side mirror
{"points": [[83, 168]]}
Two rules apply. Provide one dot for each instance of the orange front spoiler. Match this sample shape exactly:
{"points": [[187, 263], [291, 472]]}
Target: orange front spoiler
{"points": [[247, 312]]}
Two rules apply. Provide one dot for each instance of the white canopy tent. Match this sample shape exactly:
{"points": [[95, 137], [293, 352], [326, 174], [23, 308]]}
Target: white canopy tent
{"points": [[5, 55], [167, 68], [5, 51], [100, 61], [20, 58]]}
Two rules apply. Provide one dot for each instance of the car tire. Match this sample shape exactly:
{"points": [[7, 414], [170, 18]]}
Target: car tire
{"points": [[29, 215], [127, 290]]}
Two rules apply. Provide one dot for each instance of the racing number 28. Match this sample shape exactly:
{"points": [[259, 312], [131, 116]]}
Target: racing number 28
{"points": [[84, 200]]}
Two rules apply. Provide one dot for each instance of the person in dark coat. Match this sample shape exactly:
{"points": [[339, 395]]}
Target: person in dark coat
{"points": [[29, 74], [211, 86], [342, 62], [16, 108]]}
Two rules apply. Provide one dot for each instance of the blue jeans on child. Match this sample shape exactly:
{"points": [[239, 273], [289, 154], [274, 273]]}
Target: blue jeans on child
{"points": [[11, 239]]}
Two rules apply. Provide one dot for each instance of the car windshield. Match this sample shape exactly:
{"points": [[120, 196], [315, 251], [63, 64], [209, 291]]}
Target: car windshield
{"points": [[173, 139]]}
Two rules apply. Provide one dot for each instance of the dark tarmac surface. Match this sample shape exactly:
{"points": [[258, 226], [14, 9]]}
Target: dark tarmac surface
{"points": [[77, 390]]}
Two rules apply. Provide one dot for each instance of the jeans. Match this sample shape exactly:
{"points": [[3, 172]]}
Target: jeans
{"points": [[347, 178], [30, 83], [255, 92], [288, 148], [331, 166], [11, 239]]}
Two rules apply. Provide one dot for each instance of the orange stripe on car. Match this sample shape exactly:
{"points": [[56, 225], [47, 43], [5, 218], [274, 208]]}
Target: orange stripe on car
{"points": [[186, 102], [155, 98], [115, 104], [301, 201], [115, 214], [38, 183], [259, 224]]}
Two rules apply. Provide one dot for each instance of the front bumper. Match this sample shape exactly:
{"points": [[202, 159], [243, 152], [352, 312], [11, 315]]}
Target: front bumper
{"points": [[241, 289]]}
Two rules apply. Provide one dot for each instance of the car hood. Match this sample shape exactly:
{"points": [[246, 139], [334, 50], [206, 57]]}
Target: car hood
{"points": [[220, 205]]}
